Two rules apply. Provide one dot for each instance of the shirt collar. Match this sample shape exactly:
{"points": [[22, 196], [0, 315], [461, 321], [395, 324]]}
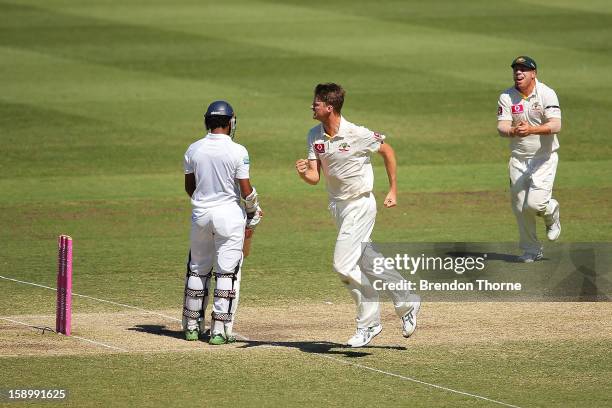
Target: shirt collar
{"points": [[217, 136], [341, 129], [533, 92], [535, 88]]}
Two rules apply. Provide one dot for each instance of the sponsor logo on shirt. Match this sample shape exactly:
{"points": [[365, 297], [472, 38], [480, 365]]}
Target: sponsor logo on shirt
{"points": [[319, 146], [246, 160], [516, 109], [499, 111], [344, 147], [378, 136]]}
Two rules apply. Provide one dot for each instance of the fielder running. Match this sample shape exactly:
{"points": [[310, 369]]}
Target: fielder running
{"points": [[216, 177], [529, 114], [343, 151]]}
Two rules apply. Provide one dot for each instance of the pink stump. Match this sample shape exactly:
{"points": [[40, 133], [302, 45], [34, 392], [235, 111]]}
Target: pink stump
{"points": [[64, 286]]}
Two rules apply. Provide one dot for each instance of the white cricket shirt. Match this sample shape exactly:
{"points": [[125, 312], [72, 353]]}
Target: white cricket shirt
{"points": [[536, 109], [345, 158], [216, 161]]}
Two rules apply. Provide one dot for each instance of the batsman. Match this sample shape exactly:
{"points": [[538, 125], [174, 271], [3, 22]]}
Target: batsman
{"points": [[217, 181]]}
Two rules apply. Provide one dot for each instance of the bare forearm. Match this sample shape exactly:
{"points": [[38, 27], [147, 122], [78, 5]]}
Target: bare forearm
{"points": [[388, 155], [551, 127], [245, 187], [391, 167], [310, 177], [308, 170], [505, 129]]}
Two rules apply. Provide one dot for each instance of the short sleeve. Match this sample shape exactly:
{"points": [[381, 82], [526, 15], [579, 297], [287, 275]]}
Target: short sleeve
{"points": [[504, 111], [373, 140], [311, 153], [187, 165], [551, 105], [310, 139], [243, 164]]}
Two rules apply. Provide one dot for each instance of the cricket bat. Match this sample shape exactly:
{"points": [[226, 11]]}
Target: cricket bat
{"points": [[248, 236]]}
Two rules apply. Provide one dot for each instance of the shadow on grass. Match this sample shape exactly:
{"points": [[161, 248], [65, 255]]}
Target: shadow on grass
{"points": [[319, 347], [490, 256], [316, 347], [158, 330]]}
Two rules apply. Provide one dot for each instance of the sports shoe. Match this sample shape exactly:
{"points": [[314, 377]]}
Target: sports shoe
{"points": [[364, 335], [554, 229], [192, 335], [409, 321], [529, 257], [219, 339]]}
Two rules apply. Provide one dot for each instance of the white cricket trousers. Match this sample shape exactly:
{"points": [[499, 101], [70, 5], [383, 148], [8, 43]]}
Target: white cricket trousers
{"points": [[531, 185], [354, 262], [217, 237]]}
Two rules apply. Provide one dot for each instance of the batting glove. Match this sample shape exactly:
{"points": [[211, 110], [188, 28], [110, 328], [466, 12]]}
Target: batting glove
{"points": [[253, 218]]}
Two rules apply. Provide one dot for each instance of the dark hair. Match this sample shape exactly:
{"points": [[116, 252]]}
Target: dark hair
{"points": [[330, 93], [214, 122]]}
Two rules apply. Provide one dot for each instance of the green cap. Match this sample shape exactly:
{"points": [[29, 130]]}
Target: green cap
{"points": [[525, 61]]}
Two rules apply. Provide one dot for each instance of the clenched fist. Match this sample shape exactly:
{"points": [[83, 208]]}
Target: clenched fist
{"points": [[301, 166], [390, 199]]}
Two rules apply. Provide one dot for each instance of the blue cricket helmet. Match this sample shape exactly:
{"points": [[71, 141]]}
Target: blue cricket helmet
{"points": [[219, 108], [222, 108]]}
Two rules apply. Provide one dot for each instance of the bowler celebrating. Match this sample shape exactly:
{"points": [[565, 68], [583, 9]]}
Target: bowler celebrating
{"points": [[343, 150]]}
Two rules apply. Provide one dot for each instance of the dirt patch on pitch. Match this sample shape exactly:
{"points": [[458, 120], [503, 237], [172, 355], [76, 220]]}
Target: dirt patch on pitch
{"points": [[438, 323], [33, 335], [307, 326]]}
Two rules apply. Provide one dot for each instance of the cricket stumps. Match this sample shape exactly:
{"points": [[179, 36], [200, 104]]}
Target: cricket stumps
{"points": [[63, 315]]}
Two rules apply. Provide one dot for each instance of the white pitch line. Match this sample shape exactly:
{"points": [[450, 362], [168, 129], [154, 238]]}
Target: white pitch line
{"points": [[73, 336], [238, 335], [94, 298], [99, 343], [440, 387], [128, 306], [18, 322]]}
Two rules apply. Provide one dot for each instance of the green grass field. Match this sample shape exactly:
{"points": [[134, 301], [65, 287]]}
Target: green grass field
{"points": [[99, 101]]}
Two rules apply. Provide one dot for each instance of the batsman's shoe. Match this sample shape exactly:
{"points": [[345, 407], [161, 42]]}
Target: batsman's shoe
{"points": [[192, 335], [364, 335], [529, 257], [409, 321], [554, 229], [219, 339]]}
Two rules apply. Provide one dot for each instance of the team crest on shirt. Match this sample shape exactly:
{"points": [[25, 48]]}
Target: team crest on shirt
{"points": [[344, 147], [536, 107], [516, 109], [319, 146]]}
